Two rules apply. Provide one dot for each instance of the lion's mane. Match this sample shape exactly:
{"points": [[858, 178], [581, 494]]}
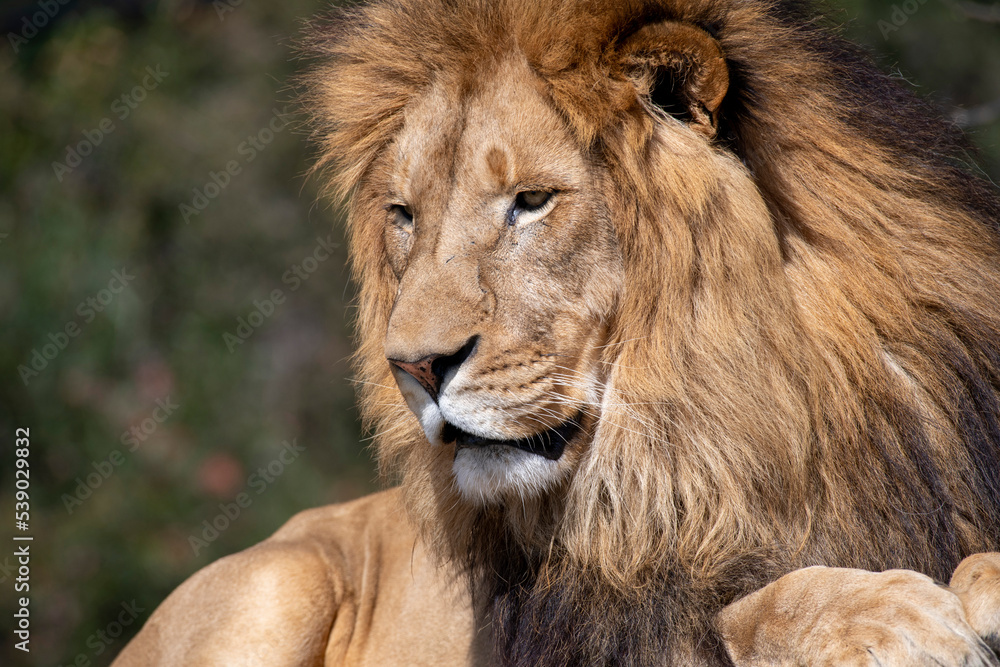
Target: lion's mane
{"points": [[811, 382]]}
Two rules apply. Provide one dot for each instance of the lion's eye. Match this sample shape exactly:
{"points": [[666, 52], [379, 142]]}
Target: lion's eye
{"points": [[402, 217], [532, 200], [533, 203]]}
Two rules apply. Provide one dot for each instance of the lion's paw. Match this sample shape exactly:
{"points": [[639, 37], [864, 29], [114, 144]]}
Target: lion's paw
{"points": [[976, 582], [834, 616]]}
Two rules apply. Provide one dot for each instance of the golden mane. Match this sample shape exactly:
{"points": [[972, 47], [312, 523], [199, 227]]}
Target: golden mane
{"points": [[814, 381]]}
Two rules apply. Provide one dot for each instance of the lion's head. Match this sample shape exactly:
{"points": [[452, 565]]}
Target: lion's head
{"points": [[674, 291], [507, 278]]}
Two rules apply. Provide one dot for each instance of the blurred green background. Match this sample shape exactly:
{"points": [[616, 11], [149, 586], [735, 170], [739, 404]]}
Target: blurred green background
{"points": [[191, 187]]}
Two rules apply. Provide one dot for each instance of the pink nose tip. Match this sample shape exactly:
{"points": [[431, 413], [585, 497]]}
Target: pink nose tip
{"points": [[422, 371], [430, 371]]}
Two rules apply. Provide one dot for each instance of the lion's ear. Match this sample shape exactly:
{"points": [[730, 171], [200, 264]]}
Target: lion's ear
{"points": [[681, 70]]}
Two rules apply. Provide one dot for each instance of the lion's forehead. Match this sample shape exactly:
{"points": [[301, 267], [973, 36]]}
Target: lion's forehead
{"points": [[484, 139]]}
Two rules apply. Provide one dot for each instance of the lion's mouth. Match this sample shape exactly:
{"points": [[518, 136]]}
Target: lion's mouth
{"points": [[549, 444]]}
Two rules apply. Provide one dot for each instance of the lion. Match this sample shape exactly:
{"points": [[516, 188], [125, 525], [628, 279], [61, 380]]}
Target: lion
{"points": [[679, 325]]}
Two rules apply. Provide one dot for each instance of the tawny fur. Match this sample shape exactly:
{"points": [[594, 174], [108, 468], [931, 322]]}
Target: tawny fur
{"points": [[804, 364], [977, 583]]}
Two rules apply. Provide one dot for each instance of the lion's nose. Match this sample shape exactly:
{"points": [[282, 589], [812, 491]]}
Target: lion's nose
{"points": [[430, 371]]}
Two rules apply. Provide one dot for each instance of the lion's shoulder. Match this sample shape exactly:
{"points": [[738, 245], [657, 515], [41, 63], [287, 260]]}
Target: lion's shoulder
{"points": [[341, 583], [373, 514]]}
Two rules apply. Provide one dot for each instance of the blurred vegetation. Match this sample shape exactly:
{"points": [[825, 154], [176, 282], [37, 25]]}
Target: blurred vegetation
{"points": [[222, 71]]}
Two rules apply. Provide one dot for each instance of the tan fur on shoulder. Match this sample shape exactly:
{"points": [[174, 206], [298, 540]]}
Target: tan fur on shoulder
{"points": [[340, 585]]}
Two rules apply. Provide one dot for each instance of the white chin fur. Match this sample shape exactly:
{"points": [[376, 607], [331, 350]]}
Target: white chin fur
{"points": [[488, 474]]}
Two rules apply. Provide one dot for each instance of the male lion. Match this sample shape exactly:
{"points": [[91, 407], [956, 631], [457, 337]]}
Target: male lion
{"points": [[697, 318]]}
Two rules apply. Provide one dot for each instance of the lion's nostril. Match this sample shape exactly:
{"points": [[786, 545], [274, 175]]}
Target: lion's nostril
{"points": [[430, 371], [441, 365]]}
